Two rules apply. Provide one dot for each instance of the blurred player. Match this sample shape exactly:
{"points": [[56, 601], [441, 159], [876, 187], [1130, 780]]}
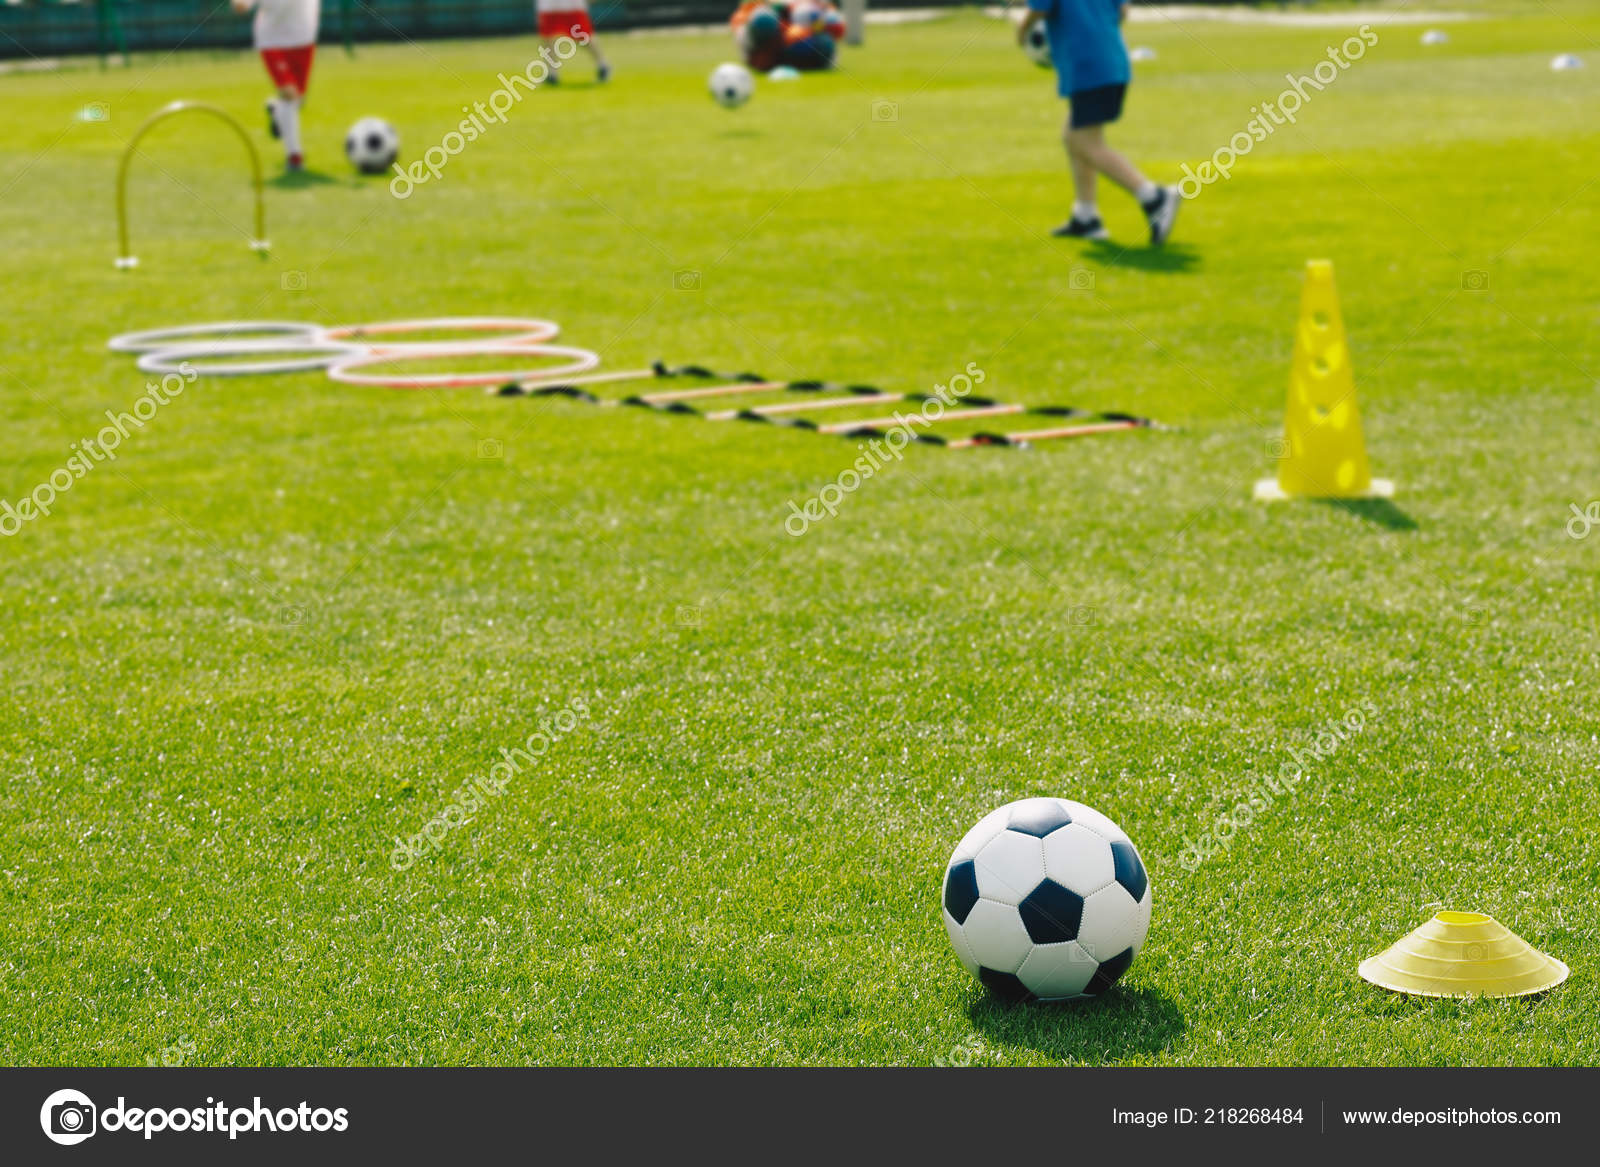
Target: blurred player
{"points": [[569, 18], [285, 33], [1092, 73]]}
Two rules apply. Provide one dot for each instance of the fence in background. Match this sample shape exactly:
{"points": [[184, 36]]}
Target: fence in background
{"points": [[55, 28]]}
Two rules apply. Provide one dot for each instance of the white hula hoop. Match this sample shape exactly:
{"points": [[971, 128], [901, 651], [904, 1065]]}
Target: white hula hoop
{"points": [[581, 361], [525, 331], [172, 358], [152, 339]]}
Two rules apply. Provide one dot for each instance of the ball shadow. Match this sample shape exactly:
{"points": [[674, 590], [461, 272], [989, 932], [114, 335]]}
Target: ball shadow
{"points": [[1123, 1022]]}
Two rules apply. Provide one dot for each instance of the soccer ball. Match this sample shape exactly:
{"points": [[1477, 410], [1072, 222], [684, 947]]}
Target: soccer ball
{"points": [[732, 85], [372, 145], [1046, 899], [1037, 45]]}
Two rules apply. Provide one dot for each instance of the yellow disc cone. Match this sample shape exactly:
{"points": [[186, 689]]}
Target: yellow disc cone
{"points": [[1325, 453], [1463, 954]]}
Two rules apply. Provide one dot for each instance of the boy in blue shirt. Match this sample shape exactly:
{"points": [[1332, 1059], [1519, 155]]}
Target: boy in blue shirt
{"points": [[1092, 74]]}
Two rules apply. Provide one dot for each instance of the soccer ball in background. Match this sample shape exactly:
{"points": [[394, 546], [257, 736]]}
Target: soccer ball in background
{"points": [[1037, 45], [732, 85], [372, 145], [1046, 899]]}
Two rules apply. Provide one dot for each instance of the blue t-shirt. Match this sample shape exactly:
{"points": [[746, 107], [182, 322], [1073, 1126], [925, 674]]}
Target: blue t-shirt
{"points": [[1085, 42]]}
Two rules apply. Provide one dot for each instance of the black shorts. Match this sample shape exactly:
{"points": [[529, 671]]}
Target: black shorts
{"points": [[1097, 106]]}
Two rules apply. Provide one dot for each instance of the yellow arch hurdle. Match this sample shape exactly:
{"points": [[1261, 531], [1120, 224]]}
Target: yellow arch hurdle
{"points": [[125, 257]]}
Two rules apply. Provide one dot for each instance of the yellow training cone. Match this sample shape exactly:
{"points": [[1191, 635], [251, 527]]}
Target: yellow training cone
{"points": [[1325, 455], [1463, 954]]}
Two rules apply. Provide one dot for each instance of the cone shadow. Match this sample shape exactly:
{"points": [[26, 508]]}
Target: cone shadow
{"points": [[1374, 510], [1124, 1021]]}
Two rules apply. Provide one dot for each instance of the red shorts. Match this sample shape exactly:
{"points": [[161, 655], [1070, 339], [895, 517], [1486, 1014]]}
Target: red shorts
{"points": [[554, 24], [289, 67]]}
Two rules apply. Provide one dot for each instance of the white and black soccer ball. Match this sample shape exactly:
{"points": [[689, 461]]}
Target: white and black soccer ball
{"points": [[1046, 899], [372, 145], [1037, 45], [732, 85]]}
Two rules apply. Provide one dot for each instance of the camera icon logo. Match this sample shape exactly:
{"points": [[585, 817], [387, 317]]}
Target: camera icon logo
{"points": [[95, 111], [490, 448], [292, 281], [1475, 281], [1081, 279], [686, 280], [885, 111], [68, 1117]]}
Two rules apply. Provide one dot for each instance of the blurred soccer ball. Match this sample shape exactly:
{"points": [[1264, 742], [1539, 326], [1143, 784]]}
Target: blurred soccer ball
{"points": [[731, 85], [1046, 899], [372, 145], [1037, 45]]}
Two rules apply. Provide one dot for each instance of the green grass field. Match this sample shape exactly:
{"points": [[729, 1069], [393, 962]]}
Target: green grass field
{"points": [[293, 617]]}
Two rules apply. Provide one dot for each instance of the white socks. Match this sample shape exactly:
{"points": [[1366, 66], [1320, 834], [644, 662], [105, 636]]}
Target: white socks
{"points": [[287, 113], [1147, 191], [1085, 212]]}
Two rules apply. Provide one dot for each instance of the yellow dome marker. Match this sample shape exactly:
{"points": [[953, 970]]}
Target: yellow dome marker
{"points": [[1326, 455], [1463, 954]]}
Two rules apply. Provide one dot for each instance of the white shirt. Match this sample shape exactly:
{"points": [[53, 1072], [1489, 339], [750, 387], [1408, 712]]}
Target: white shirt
{"points": [[561, 6], [286, 24]]}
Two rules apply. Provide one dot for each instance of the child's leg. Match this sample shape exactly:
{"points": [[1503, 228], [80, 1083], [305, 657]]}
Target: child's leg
{"points": [[288, 119], [1091, 154], [290, 70], [1085, 178], [600, 64]]}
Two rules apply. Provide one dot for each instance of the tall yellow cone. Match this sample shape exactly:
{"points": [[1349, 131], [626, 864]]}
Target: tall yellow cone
{"points": [[1326, 455], [1463, 954]]}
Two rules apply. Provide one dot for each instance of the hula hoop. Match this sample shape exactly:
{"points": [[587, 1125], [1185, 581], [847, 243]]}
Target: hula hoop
{"points": [[527, 331], [152, 339], [169, 359], [126, 260], [581, 361]]}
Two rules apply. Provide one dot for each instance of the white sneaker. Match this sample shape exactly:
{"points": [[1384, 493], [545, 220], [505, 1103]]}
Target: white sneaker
{"points": [[1162, 211]]}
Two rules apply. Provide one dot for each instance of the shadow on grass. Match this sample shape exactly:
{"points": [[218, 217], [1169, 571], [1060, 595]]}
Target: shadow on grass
{"points": [[1374, 510], [300, 179], [1174, 257], [1123, 1022]]}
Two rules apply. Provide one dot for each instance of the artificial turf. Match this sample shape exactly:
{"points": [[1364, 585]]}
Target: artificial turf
{"points": [[293, 618]]}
